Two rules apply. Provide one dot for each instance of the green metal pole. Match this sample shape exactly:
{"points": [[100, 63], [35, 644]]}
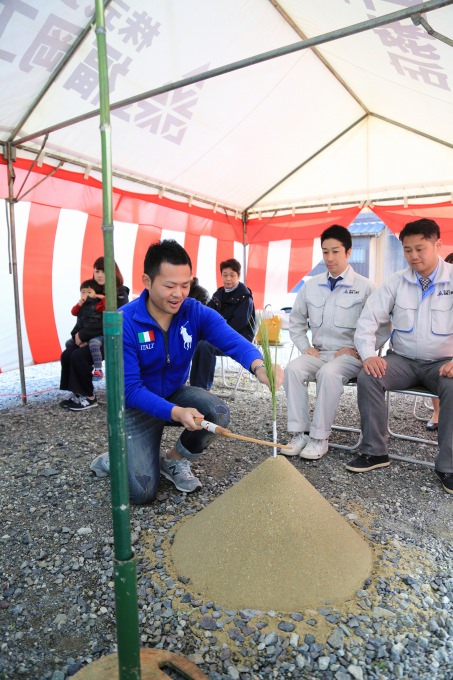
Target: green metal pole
{"points": [[125, 568]]}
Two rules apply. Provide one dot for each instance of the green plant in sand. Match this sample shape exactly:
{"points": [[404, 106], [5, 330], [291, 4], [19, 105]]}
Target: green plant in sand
{"points": [[270, 361]]}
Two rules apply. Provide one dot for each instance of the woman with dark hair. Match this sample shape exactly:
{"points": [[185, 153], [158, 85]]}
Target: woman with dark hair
{"points": [[122, 291], [77, 362]]}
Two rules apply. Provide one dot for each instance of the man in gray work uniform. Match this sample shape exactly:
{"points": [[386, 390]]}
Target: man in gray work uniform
{"points": [[330, 304], [419, 303]]}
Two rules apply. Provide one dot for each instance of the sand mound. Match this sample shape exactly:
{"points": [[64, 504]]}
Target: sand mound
{"points": [[271, 542]]}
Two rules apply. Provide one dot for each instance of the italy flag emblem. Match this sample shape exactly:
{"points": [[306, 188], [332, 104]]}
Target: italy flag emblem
{"points": [[147, 336]]}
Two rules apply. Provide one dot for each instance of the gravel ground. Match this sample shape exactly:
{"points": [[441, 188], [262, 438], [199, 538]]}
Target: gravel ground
{"points": [[57, 601]]}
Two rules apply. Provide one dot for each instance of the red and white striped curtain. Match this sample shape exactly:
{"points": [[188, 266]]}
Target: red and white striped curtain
{"points": [[397, 216], [59, 236]]}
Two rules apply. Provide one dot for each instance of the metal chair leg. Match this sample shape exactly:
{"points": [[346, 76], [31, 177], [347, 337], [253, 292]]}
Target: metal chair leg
{"points": [[347, 447], [417, 392]]}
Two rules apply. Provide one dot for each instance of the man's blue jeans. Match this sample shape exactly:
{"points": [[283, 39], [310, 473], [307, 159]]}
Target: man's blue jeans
{"points": [[144, 434]]}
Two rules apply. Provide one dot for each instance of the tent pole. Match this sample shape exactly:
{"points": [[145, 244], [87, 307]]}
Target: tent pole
{"points": [[125, 568], [10, 155], [244, 243]]}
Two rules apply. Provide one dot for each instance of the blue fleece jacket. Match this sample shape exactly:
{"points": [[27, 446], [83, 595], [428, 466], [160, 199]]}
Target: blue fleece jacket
{"points": [[156, 363]]}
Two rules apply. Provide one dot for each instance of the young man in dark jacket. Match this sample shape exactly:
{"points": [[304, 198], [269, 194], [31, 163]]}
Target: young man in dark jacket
{"points": [[234, 302], [162, 328]]}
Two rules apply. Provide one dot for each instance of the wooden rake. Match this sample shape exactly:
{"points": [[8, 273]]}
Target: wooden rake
{"points": [[224, 432]]}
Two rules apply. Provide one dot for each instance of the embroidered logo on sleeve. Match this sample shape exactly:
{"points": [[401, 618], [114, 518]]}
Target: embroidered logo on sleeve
{"points": [[187, 338], [147, 336]]}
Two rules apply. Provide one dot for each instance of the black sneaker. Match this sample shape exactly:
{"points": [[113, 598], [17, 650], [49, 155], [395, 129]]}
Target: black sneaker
{"points": [[66, 403], [83, 403], [446, 479], [367, 463]]}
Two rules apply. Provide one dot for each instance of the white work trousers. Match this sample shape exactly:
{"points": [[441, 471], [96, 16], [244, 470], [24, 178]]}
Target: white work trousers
{"points": [[331, 374]]}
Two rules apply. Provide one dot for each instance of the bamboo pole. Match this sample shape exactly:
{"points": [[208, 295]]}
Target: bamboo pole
{"points": [[125, 570]]}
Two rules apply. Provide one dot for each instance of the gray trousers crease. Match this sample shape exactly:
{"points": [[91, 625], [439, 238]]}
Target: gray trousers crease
{"points": [[402, 373]]}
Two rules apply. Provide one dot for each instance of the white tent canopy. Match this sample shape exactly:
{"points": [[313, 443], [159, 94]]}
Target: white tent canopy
{"points": [[359, 118]]}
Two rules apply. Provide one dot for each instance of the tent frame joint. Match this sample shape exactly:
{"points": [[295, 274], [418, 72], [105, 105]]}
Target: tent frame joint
{"points": [[9, 152]]}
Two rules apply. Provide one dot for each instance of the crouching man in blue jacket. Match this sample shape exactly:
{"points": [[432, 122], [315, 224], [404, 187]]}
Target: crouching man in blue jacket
{"points": [[161, 330]]}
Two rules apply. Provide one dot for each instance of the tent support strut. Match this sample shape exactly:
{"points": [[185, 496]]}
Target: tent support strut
{"points": [[10, 155]]}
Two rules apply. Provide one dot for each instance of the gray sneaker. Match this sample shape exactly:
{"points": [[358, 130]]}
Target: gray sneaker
{"points": [[179, 472], [101, 465]]}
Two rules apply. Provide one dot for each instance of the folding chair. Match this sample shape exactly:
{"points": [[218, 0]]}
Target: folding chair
{"points": [[239, 374], [346, 428], [280, 347], [416, 392], [426, 402], [241, 371]]}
